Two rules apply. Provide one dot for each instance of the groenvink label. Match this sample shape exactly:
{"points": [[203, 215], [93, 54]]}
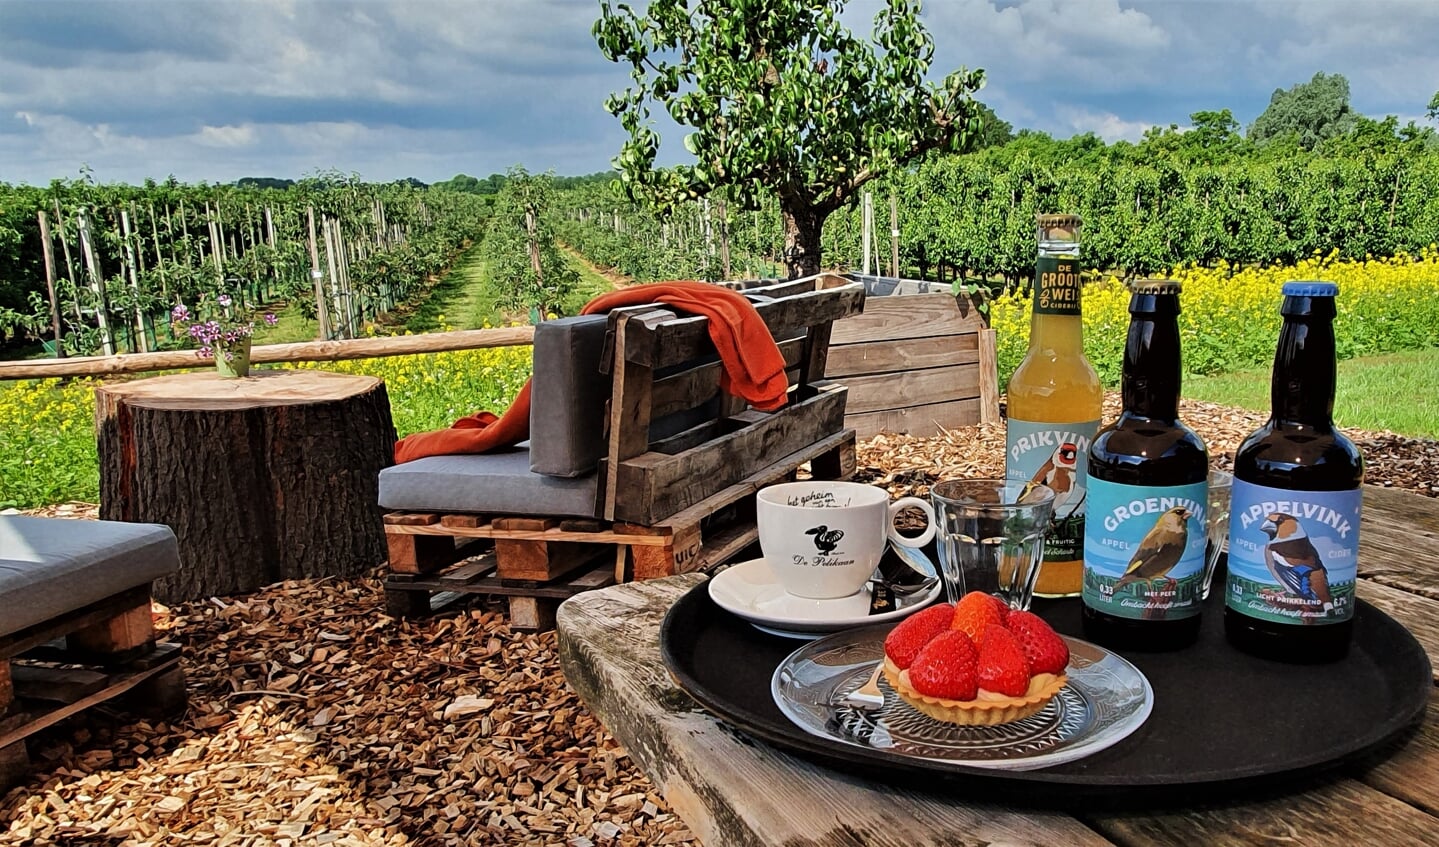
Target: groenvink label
{"points": [[1293, 555], [1057, 286], [1056, 455], [1144, 550]]}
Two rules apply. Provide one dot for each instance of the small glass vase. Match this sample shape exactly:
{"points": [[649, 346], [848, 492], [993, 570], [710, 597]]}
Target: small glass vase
{"points": [[235, 365]]}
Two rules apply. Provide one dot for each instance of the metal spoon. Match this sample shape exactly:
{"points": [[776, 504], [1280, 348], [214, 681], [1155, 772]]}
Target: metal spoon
{"points": [[867, 697]]}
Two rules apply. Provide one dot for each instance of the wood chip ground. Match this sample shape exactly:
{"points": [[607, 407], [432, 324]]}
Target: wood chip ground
{"points": [[316, 719]]}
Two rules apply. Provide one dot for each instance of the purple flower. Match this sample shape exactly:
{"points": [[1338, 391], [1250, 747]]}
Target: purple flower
{"points": [[223, 300], [204, 352], [271, 319], [180, 313]]}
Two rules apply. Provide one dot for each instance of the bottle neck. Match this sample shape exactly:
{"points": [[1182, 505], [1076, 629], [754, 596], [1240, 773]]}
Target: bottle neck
{"points": [[1151, 357], [1302, 390], [1056, 324]]}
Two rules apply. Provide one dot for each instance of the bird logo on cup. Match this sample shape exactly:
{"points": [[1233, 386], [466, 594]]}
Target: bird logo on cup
{"points": [[825, 539]]}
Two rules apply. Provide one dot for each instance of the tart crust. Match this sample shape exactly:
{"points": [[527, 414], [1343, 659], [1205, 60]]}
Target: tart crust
{"points": [[988, 709]]}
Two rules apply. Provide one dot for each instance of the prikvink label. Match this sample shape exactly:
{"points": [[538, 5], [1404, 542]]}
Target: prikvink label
{"points": [[1056, 455]]}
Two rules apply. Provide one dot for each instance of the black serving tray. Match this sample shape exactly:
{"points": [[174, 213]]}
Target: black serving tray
{"points": [[1223, 722]]}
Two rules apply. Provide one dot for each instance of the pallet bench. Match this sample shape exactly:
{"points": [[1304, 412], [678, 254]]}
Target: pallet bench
{"points": [[639, 465], [75, 626]]}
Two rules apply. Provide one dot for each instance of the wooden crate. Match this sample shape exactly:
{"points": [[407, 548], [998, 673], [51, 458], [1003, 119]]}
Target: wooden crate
{"points": [[917, 360]]}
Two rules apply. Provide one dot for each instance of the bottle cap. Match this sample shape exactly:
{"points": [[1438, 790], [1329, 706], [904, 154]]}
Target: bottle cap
{"points": [[1058, 221], [1156, 286], [1309, 288]]}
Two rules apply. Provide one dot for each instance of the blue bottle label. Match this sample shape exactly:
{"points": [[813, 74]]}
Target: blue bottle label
{"points": [[1056, 455], [1293, 555], [1144, 549]]}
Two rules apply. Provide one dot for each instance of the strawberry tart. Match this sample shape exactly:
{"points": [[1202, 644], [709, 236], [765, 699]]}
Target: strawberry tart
{"points": [[975, 662]]}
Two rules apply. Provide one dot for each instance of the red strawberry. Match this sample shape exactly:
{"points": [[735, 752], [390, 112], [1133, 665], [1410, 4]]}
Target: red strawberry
{"points": [[946, 667], [906, 640], [975, 611], [1002, 666], [1045, 650]]}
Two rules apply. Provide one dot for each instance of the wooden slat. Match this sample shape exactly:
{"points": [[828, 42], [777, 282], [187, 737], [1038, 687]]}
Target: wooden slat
{"points": [[101, 610], [1408, 771], [123, 632], [698, 385], [542, 561], [883, 356], [164, 657], [520, 535], [898, 318], [1399, 541], [1341, 813], [410, 518], [988, 377], [924, 421], [754, 482], [1420, 615], [909, 388], [467, 521], [688, 338], [59, 685], [630, 397], [656, 486]]}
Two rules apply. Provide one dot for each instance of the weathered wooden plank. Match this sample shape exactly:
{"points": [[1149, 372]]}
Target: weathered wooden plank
{"points": [[654, 486], [988, 377], [1420, 615], [923, 420], [903, 389], [410, 518], [883, 356], [542, 561], [632, 382], [696, 386], [1344, 813], [1399, 541], [688, 338], [1409, 772], [131, 629], [59, 685], [100, 611], [735, 792], [898, 318]]}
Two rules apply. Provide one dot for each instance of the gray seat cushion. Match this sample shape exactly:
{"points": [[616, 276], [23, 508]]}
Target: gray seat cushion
{"points": [[493, 483], [567, 396], [50, 566]]}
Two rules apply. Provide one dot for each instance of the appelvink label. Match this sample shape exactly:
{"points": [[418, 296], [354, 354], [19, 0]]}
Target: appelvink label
{"points": [[1293, 555], [1056, 455], [1144, 550], [1056, 286]]}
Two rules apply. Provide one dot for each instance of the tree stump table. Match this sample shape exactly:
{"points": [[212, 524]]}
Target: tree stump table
{"points": [[265, 478]]}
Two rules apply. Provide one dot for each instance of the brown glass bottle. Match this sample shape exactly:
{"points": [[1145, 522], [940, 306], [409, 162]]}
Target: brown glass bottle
{"points": [[1296, 471], [1147, 482]]}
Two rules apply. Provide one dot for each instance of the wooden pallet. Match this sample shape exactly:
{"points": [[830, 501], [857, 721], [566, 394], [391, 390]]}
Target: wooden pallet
{"points": [[102, 652], [539, 562]]}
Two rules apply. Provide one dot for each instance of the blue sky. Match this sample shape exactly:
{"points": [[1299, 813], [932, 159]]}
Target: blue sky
{"points": [[219, 89]]}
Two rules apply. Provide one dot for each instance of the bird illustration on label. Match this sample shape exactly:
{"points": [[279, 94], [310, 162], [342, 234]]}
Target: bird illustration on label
{"points": [[1294, 562], [1059, 472], [1162, 548], [825, 539]]}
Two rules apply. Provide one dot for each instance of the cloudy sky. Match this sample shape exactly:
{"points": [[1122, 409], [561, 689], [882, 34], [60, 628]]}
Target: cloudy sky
{"points": [[219, 89]]}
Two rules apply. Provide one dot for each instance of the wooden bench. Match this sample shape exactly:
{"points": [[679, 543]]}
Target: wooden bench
{"points": [[75, 626], [919, 360], [675, 461]]}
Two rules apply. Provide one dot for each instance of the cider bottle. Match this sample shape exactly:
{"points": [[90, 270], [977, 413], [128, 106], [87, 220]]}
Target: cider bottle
{"points": [[1145, 538], [1294, 509], [1055, 402]]}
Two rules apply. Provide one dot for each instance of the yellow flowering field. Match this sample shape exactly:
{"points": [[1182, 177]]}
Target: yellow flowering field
{"points": [[1229, 316]]}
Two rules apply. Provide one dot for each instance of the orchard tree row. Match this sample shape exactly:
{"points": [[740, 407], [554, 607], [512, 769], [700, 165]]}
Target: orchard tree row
{"points": [[99, 266]]}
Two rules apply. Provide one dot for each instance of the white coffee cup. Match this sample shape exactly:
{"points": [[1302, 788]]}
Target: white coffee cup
{"points": [[824, 539]]}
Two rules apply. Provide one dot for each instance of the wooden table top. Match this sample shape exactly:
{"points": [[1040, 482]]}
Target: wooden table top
{"points": [[208, 391], [732, 790]]}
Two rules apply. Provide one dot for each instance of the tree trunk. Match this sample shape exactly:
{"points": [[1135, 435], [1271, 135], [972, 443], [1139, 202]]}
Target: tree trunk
{"points": [[802, 229], [263, 479]]}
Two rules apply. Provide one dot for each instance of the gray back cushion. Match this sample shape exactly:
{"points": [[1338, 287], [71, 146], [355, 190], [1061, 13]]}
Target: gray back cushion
{"points": [[567, 396]]}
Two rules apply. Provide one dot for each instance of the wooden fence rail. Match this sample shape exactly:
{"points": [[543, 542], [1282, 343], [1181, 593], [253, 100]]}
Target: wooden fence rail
{"points": [[304, 351]]}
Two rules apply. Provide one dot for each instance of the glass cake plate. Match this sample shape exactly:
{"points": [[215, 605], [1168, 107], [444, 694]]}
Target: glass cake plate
{"points": [[1105, 700]]}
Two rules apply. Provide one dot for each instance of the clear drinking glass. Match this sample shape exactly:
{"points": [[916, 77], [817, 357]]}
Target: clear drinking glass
{"points": [[991, 536], [1216, 524]]}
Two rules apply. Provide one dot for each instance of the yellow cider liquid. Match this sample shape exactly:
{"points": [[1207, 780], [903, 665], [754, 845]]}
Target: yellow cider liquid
{"points": [[1056, 384]]}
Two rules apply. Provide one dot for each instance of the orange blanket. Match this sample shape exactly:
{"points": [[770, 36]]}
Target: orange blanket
{"points": [[753, 367]]}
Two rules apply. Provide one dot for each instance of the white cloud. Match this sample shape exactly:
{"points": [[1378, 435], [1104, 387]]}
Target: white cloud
{"points": [[1106, 125]]}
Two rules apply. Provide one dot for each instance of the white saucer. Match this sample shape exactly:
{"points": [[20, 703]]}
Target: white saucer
{"points": [[750, 590]]}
